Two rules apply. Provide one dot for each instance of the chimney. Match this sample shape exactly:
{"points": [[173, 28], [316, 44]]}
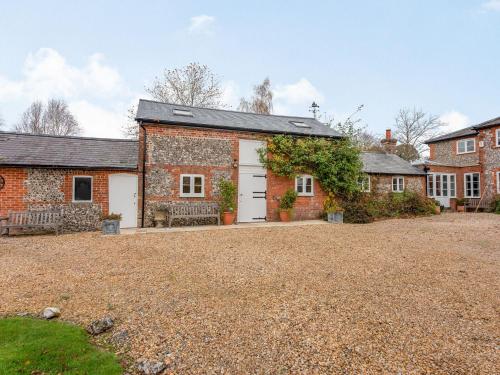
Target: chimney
{"points": [[388, 143]]}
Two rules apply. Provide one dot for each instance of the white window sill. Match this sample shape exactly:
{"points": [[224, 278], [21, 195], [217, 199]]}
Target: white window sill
{"points": [[305, 195], [191, 196], [81, 202], [467, 152]]}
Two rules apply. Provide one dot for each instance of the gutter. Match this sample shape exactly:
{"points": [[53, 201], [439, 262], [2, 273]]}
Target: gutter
{"points": [[144, 143]]}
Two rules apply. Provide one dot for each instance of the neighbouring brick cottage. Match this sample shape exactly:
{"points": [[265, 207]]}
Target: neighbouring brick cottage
{"points": [[80, 176], [181, 154], [465, 164]]}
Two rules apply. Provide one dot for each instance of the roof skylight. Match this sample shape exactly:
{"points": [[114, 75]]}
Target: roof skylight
{"points": [[182, 112], [300, 124]]}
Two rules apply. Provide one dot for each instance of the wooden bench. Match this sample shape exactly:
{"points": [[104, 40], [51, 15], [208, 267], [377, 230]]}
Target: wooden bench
{"points": [[476, 203], [193, 211], [47, 219]]}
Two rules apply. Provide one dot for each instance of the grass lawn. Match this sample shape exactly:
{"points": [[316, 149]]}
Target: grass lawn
{"points": [[50, 347]]}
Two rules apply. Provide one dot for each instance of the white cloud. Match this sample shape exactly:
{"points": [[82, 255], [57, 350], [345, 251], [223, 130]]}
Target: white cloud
{"points": [[98, 121], [493, 5], [230, 94], [202, 24], [454, 120], [95, 92], [47, 74], [296, 98]]}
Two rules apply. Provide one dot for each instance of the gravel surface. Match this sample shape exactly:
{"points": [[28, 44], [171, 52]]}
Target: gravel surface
{"points": [[397, 296]]}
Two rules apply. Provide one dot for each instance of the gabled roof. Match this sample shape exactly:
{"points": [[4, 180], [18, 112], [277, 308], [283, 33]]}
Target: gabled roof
{"points": [[469, 131], [157, 112], [381, 163], [67, 152]]}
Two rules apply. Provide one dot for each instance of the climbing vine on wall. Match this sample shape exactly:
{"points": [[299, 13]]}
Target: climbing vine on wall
{"points": [[335, 163]]}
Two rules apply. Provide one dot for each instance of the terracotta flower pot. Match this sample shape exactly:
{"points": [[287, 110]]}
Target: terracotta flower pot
{"points": [[285, 215], [228, 218], [460, 208], [437, 210]]}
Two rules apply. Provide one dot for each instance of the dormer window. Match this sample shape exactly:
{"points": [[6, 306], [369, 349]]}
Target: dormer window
{"points": [[182, 112], [300, 124], [465, 146]]}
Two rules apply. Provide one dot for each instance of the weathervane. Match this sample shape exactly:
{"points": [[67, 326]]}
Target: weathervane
{"points": [[314, 109]]}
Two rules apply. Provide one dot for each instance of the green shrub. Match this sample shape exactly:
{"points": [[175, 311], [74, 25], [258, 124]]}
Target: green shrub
{"points": [[288, 200], [331, 204], [227, 190], [112, 216], [363, 208], [497, 204], [460, 202]]}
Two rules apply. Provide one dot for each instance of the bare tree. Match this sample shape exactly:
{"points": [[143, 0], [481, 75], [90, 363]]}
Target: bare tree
{"points": [[407, 152], [261, 101], [413, 127], [368, 142], [2, 123], [192, 85], [53, 119]]}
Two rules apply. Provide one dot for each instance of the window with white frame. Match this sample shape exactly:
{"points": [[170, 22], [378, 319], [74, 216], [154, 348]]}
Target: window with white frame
{"points": [[398, 183], [304, 185], [465, 146], [472, 185], [497, 132], [364, 184], [192, 185], [82, 189]]}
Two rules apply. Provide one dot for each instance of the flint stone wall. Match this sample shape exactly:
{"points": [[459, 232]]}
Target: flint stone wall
{"points": [[446, 153], [176, 150]]}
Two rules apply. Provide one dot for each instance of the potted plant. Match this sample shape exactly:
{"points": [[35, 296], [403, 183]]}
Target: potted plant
{"points": [[286, 205], [437, 207], [227, 191], [111, 223], [460, 205], [333, 209]]}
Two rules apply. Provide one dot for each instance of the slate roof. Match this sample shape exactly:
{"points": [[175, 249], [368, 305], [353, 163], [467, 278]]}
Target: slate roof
{"points": [[456, 134], [377, 162], [67, 152], [151, 111], [469, 131]]}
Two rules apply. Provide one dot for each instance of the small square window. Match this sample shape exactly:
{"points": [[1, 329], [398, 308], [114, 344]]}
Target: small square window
{"points": [[364, 184], [304, 186], [192, 185], [465, 146], [82, 189], [398, 184], [497, 133]]}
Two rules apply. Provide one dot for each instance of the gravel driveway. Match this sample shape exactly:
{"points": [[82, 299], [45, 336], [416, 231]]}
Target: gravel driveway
{"points": [[409, 296]]}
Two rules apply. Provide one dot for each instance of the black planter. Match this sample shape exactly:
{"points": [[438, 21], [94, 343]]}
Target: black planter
{"points": [[110, 227]]}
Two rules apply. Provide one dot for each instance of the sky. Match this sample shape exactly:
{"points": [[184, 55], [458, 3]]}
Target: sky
{"points": [[439, 56]]}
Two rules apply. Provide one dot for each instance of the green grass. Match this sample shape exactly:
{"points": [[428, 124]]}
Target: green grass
{"points": [[50, 347]]}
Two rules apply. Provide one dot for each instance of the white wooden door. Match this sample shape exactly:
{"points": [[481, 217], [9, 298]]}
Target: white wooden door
{"points": [[252, 183], [123, 198], [441, 186]]}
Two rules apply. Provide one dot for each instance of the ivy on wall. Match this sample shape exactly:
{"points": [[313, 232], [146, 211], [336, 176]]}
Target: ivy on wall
{"points": [[336, 164]]}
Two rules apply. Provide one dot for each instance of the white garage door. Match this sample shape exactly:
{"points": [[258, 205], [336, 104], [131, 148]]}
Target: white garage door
{"points": [[123, 198]]}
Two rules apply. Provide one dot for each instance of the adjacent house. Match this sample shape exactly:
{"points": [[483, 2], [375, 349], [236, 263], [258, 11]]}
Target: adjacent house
{"points": [[181, 154], [465, 164]]}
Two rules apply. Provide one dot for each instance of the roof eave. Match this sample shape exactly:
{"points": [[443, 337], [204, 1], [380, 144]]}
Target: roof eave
{"points": [[51, 166]]}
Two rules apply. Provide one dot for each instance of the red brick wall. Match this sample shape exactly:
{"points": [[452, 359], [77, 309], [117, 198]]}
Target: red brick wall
{"points": [[13, 195], [305, 207]]}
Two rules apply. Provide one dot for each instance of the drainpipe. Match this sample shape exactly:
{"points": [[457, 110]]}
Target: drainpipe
{"points": [[143, 203]]}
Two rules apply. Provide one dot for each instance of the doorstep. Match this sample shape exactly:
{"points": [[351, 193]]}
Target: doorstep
{"points": [[196, 228]]}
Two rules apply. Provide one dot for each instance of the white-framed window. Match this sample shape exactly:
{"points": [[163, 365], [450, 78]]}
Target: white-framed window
{"points": [[472, 185], [464, 146], [441, 185], [398, 183], [497, 133], [498, 182], [304, 185], [192, 185], [364, 184], [82, 188]]}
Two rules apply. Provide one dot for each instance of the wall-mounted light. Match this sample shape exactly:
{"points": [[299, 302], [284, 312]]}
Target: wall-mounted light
{"points": [[235, 163]]}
